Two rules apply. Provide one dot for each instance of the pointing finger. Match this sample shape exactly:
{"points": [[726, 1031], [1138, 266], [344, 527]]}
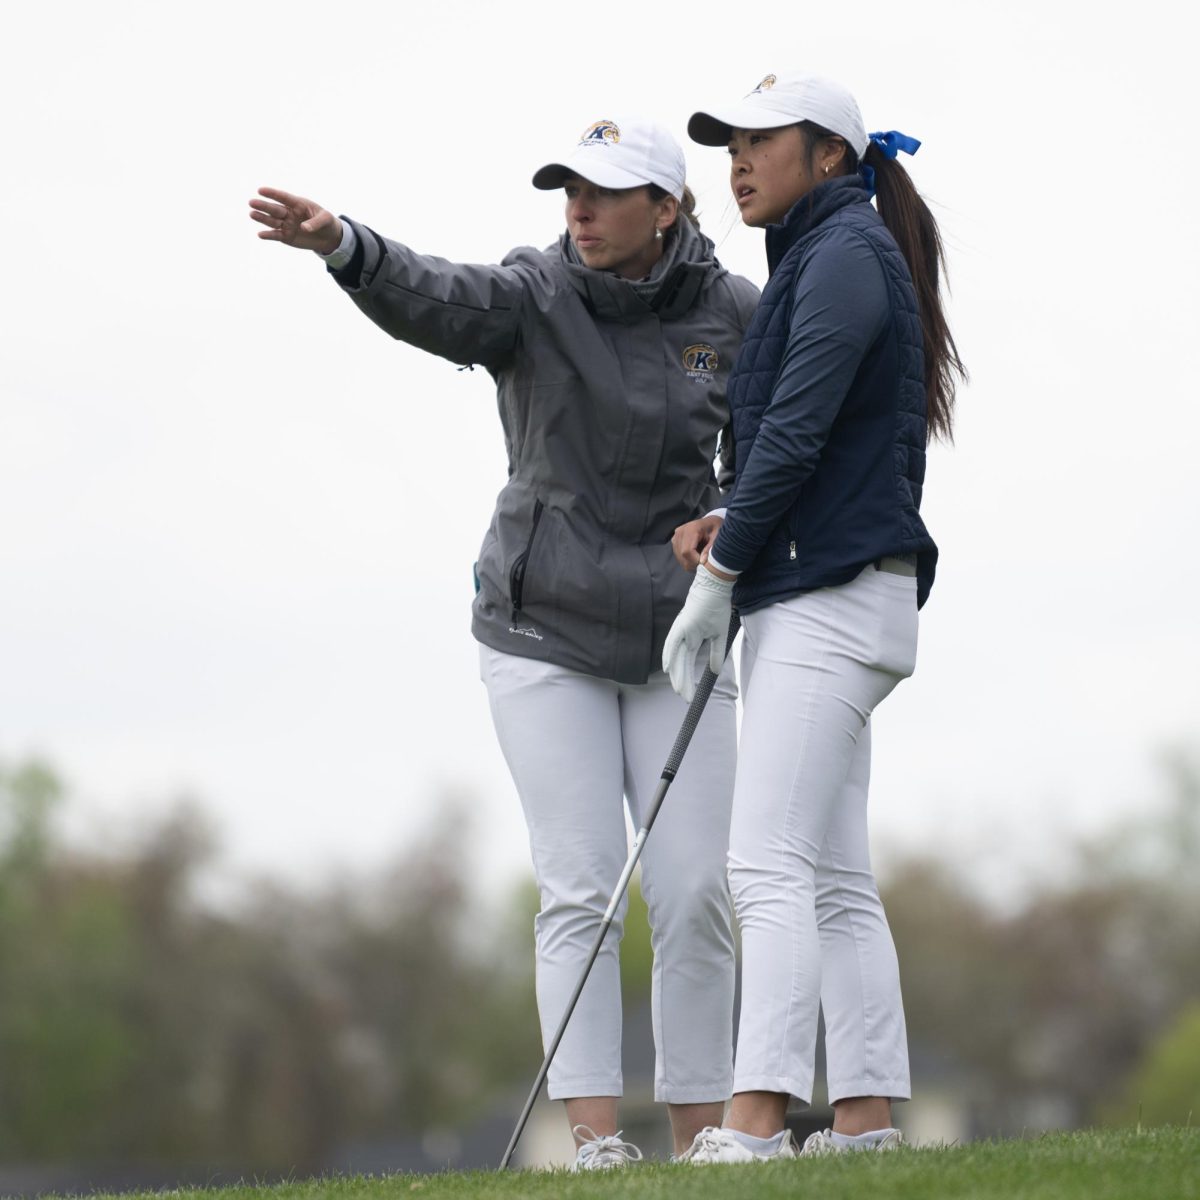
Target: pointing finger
{"points": [[275, 210], [283, 197]]}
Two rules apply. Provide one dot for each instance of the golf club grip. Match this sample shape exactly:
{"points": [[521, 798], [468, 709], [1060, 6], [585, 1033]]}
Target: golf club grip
{"points": [[696, 708]]}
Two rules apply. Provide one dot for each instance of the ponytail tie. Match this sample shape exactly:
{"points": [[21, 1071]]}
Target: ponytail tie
{"points": [[891, 143]]}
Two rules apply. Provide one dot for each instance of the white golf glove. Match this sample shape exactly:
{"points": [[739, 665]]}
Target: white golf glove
{"points": [[703, 620]]}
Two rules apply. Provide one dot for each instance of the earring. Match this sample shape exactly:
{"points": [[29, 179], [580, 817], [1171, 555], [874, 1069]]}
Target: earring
{"points": [[657, 234], [826, 168]]}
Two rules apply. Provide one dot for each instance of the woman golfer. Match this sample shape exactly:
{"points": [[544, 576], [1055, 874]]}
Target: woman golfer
{"points": [[846, 366], [610, 352]]}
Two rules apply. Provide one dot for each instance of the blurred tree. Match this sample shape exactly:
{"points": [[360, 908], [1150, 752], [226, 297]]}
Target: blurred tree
{"points": [[64, 957], [1059, 1001], [1165, 1089], [29, 794], [136, 1026], [424, 1003], [961, 991]]}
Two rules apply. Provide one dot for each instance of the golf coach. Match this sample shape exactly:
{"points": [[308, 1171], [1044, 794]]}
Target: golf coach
{"points": [[611, 351]]}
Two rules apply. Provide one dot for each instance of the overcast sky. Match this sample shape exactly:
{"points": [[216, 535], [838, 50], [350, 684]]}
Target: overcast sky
{"points": [[239, 521]]}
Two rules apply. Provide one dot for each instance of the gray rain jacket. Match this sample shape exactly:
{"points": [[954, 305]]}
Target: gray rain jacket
{"points": [[611, 395]]}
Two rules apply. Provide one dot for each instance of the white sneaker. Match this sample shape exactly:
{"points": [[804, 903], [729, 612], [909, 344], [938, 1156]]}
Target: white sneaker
{"points": [[822, 1142], [713, 1145], [598, 1153]]}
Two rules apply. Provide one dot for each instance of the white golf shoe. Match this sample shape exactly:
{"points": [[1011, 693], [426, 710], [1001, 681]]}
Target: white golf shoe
{"points": [[713, 1145], [597, 1153], [822, 1142]]}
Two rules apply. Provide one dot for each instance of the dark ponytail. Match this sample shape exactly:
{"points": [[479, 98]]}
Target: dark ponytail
{"points": [[911, 223], [916, 233]]}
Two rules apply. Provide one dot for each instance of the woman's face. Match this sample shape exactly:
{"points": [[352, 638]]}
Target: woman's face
{"points": [[769, 172], [614, 229]]}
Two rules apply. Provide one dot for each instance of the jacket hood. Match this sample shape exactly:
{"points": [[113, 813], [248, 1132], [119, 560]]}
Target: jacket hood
{"points": [[670, 290]]}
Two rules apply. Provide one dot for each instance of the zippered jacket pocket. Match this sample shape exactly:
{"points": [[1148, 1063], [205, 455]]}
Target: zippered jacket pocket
{"points": [[516, 575]]}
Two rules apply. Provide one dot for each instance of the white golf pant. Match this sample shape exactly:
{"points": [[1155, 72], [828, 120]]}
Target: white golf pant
{"points": [[576, 744], [814, 935]]}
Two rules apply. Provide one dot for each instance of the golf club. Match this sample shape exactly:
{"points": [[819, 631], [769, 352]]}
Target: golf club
{"points": [[690, 721]]}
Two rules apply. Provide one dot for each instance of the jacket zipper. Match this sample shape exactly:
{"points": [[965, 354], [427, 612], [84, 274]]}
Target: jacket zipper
{"points": [[792, 551], [516, 577]]}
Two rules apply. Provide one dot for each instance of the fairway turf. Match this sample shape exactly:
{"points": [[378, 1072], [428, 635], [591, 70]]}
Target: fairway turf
{"points": [[1157, 1164]]}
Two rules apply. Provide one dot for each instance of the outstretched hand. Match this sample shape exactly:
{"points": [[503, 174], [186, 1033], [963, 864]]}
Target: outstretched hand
{"points": [[295, 221]]}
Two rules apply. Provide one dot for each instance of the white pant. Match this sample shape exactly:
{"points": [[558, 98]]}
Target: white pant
{"points": [[814, 934], [574, 744]]}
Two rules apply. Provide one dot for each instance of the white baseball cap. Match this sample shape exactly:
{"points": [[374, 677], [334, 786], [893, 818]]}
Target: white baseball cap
{"points": [[620, 154], [785, 100]]}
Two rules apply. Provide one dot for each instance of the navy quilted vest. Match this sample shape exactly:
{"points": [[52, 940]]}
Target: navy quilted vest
{"points": [[862, 500]]}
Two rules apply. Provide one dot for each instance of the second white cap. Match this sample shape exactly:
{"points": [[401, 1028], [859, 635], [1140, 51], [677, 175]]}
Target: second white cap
{"points": [[784, 99]]}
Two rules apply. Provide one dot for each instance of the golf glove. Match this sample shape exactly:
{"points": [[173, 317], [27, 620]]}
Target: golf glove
{"points": [[703, 621]]}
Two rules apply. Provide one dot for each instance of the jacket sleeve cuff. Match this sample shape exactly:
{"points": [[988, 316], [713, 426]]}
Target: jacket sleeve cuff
{"points": [[724, 553], [717, 565], [345, 249], [349, 274]]}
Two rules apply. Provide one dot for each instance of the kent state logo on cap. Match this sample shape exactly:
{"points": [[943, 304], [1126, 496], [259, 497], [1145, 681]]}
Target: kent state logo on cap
{"points": [[784, 99], [600, 132], [633, 152], [701, 361]]}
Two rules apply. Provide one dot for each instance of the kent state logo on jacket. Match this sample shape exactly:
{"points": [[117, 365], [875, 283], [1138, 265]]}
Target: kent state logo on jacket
{"points": [[599, 133], [701, 361]]}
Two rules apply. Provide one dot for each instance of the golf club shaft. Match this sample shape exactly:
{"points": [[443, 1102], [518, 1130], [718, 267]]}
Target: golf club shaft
{"points": [[690, 721]]}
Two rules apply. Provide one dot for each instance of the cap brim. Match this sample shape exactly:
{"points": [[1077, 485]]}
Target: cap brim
{"points": [[554, 175], [716, 128]]}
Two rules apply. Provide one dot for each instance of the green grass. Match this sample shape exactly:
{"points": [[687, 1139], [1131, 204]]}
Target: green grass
{"points": [[1158, 1164]]}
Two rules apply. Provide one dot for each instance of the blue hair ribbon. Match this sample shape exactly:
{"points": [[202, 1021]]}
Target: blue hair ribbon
{"points": [[891, 143]]}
